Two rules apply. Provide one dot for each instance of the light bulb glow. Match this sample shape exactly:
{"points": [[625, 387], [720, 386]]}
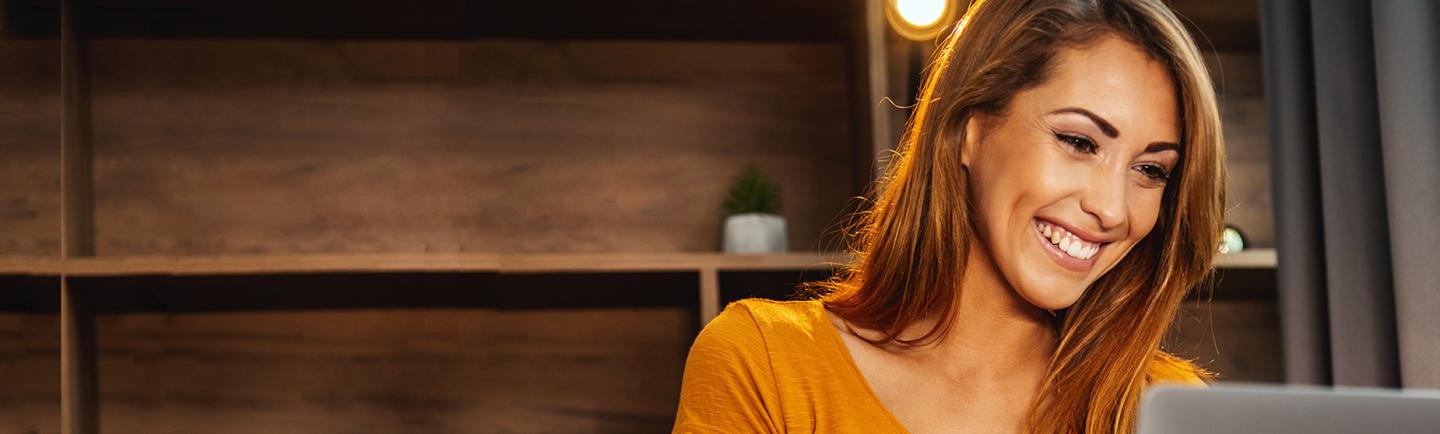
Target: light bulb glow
{"points": [[921, 13]]}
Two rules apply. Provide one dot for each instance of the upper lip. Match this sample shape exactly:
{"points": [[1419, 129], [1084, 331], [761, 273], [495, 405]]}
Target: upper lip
{"points": [[1084, 235]]}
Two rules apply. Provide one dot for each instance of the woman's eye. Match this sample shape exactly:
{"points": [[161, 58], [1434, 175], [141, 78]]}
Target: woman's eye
{"points": [[1154, 172], [1080, 143]]}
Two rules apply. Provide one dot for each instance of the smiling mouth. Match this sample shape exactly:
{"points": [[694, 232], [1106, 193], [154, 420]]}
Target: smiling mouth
{"points": [[1069, 250]]}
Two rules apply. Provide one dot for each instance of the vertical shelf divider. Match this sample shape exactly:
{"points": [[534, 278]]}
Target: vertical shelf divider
{"points": [[79, 409], [876, 86], [709, 294]]}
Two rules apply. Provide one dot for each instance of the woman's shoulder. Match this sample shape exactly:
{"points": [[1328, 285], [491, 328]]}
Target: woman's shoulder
{"points": [[770, 320], [753, 345], [759, 329], [738, 367], [1170, 369], [775, 312]]}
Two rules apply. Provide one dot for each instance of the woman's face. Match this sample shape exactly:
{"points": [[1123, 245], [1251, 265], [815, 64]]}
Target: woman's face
{"points": [[1070, 178]]}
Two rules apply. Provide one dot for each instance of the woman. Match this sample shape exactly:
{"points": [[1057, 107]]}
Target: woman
{"points": [[1057, 193]]}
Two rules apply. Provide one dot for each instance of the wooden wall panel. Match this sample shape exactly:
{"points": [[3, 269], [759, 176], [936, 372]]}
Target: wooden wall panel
{"points": [[225, 146], [29, 226], [1247, 141], [1239, 340], [1222, 25], [29, 373], [442, 371], [29, 147]]}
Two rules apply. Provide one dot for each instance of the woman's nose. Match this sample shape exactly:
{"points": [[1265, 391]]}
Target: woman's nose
{"points": [[1105, 198]]}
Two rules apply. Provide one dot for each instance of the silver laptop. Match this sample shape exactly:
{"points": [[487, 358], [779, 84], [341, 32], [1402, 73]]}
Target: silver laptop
{"points": [[1287, 409]]}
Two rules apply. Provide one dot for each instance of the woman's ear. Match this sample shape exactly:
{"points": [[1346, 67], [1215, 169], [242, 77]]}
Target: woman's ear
{"points": [[971, 141]]}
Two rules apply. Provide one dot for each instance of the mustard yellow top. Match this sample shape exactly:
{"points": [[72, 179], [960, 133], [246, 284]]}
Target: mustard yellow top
{"points": [[767, 366]]}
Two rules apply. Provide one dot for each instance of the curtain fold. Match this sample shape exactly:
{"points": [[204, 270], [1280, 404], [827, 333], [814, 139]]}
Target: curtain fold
{"points": [[1290, 105], [1351, 89], [1407, 66]]}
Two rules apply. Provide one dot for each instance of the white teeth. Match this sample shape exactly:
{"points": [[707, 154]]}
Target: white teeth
{"points": [[1068, 243]]}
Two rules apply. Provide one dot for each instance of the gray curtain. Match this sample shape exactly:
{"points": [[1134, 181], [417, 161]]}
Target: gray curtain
{"points": [[1353, 92]]}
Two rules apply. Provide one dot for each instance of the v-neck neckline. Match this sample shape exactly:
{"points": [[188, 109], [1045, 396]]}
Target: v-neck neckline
{"points": [[823, 316]]}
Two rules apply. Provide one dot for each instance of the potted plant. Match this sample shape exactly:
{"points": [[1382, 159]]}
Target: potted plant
{"points": [[754, 224]]}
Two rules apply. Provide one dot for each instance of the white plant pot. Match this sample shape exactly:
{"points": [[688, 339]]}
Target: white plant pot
{"points": [[755, 233]]}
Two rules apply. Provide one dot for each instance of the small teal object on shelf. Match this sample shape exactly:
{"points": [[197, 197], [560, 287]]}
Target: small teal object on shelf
{"points": [[1232, 241]]}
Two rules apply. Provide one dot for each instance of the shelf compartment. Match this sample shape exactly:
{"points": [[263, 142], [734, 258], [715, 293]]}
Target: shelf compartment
{"points": [[29, 294], [399, 290], [392, 370]]}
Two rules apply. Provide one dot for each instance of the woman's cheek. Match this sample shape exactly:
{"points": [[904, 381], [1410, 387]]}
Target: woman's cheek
{"points": [[1145, 212], [1062, 173]]}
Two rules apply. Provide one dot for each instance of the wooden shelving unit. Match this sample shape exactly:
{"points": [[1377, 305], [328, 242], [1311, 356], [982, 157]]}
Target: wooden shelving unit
{"points": [[118, 57], [405, 62], [706, 265]]}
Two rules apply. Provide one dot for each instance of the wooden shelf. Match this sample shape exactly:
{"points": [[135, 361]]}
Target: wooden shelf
{"points": [[443, 262], [29, 265], [707, 265], [1247, 259]]}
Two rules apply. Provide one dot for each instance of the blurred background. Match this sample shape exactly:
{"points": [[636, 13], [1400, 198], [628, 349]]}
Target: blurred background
{"points": [[469, 215]]}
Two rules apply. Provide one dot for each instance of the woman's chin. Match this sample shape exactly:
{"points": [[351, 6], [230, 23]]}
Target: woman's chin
{"points": [[1052, 297]]}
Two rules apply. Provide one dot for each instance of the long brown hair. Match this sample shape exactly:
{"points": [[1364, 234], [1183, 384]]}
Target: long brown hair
{"points": [[911, 246]]}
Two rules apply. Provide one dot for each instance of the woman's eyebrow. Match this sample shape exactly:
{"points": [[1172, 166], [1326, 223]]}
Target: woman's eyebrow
{"points": [[1161, 147], [1105, 126]]}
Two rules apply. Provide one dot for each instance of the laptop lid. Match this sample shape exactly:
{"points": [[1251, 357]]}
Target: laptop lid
{"points": [[1287, 409]]}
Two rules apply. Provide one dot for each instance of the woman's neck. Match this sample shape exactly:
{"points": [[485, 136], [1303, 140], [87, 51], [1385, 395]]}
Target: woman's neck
{"points": [[994, 335]]}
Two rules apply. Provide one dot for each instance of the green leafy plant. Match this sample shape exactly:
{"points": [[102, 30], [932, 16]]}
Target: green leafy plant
{"points": [[753, 192]]}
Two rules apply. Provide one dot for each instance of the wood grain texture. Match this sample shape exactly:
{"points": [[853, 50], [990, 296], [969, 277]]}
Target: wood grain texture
{"points": [[29, 373], [29, 231], [442, 371], [30, 265], [30, 147], [1222, 25], [728, 20], [1247, 141], [1239, 340], [220, 147]]}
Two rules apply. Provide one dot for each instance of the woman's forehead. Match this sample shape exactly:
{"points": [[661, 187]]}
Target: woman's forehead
{"points": [[1117, 81]]}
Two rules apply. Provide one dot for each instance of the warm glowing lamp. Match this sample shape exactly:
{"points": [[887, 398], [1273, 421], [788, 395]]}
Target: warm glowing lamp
{"points": [[920, 13], [919, 19]]}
